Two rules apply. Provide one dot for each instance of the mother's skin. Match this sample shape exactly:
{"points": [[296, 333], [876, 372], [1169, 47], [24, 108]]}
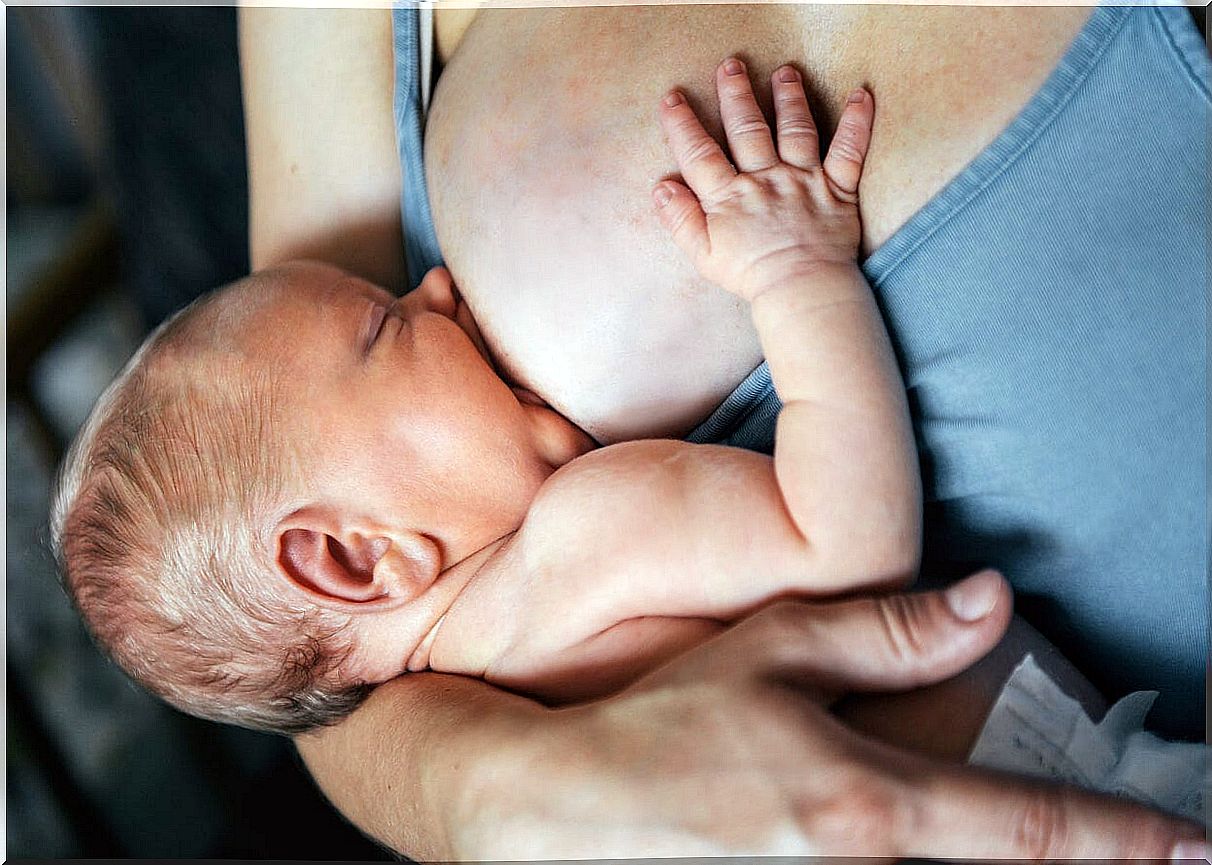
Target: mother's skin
{"points": [[433, 765], [577, 251]]}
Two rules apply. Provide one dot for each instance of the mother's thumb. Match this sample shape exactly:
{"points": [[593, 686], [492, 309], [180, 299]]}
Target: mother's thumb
{"points": [[904, 641]]}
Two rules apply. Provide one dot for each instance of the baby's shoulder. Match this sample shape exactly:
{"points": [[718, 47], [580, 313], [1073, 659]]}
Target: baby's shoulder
{"points": [[615, 469], [633, 484]]}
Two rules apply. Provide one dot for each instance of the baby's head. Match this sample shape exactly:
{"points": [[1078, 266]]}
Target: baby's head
{"points": [[256, 516]]}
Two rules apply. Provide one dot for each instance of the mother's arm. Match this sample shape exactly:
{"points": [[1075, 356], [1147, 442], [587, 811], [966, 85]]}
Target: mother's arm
{"points": [[324, 176], [728, 750]]}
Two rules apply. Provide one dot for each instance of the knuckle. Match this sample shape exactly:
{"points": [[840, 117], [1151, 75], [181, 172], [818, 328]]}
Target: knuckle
{"points": [[797, 126], [678, 218], [861, 813], [685, 124], [749, 184], [1041, 826], [905, 627], [698, 149], [745, 126], [850, 125], [843, 148]]}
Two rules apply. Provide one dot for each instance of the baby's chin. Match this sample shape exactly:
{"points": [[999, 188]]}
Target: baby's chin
{"points": [[559, 440]]}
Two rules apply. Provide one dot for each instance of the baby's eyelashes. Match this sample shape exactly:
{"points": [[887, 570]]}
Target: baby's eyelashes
{"points": [[374, 327]]}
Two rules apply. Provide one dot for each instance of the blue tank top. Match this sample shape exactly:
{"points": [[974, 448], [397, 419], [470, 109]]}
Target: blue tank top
{"points": [[1048, 308]]}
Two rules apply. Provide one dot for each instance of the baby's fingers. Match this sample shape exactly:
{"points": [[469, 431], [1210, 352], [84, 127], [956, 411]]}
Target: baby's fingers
{"points": [[844, 161], [798, 141], [700, 159], [744, 124], [682, 215]]}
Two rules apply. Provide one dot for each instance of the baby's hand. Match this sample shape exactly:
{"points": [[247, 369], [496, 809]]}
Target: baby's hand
{"points": [[778, 214]]}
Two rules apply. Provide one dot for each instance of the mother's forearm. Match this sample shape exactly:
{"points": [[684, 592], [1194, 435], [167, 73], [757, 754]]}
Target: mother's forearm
{"points": [[411, 759]]}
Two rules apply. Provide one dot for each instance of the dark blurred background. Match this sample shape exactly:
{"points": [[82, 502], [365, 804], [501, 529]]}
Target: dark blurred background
{"points": [[126, 198]]}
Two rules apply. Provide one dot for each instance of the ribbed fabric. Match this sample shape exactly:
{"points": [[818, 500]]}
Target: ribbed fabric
{"points": [[420, 242], [1048, 307]]}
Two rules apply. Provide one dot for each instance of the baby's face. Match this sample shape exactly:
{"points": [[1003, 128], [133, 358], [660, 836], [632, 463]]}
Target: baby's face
{"points": [[395, 410]]}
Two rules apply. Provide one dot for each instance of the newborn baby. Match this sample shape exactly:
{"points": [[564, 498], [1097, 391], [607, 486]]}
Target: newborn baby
{"points": [[302, 486]]}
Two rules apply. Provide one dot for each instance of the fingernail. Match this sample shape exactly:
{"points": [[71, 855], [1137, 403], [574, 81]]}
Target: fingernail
{"points": [[733, 67], [661, 195], [788, 75], [1191, 851], [856, 95], [975, 597], [672, 99]]}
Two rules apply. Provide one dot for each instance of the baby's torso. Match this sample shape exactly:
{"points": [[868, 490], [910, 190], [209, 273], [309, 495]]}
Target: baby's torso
{"points": [[542, 145]]}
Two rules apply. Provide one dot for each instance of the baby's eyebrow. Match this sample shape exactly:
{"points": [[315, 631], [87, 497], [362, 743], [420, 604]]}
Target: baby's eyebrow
{"points": [[346, 286]]}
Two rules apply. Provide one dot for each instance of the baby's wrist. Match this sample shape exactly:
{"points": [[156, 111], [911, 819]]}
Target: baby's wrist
{"points": [[816, 283]]}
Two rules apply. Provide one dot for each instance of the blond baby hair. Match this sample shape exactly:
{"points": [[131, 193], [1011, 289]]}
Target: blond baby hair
{"points": [[159, 526]]}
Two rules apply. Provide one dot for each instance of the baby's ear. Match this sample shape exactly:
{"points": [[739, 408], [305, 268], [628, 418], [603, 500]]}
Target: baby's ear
{"points": [[340, 566]]}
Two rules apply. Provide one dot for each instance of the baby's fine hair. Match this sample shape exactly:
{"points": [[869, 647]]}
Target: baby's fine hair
{"points": [[158, 525]]}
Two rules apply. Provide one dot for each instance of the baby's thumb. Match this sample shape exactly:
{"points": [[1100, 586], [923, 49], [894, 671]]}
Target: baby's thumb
{"points": [[682, 215]]}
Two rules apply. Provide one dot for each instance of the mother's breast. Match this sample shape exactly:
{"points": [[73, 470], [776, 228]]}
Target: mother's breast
{"points": [[540, 168], [543, 146]]}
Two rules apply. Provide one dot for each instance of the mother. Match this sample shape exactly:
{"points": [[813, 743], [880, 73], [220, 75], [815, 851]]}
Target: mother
{"points": [[1034, 217]]}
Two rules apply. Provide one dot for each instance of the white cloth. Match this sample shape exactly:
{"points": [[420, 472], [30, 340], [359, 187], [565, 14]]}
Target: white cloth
{"points": [[1036, 729]]}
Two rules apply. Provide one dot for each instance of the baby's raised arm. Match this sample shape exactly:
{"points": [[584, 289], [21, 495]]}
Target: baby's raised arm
{"points": [[779, 228], [840, 508]]}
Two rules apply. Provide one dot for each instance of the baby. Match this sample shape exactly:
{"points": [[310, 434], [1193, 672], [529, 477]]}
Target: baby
{"points": [[303, 486]]}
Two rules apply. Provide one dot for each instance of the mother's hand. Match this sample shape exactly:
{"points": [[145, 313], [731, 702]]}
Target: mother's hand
{"points": [[730, 749]]}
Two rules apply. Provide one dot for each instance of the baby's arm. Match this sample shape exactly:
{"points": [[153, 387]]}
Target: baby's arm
{"points": [[781, 230], [841, 508]]}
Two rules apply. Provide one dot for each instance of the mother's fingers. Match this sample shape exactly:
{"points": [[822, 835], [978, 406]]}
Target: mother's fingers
{"points": [[976, 814], [744, 124], [700, 159]]}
